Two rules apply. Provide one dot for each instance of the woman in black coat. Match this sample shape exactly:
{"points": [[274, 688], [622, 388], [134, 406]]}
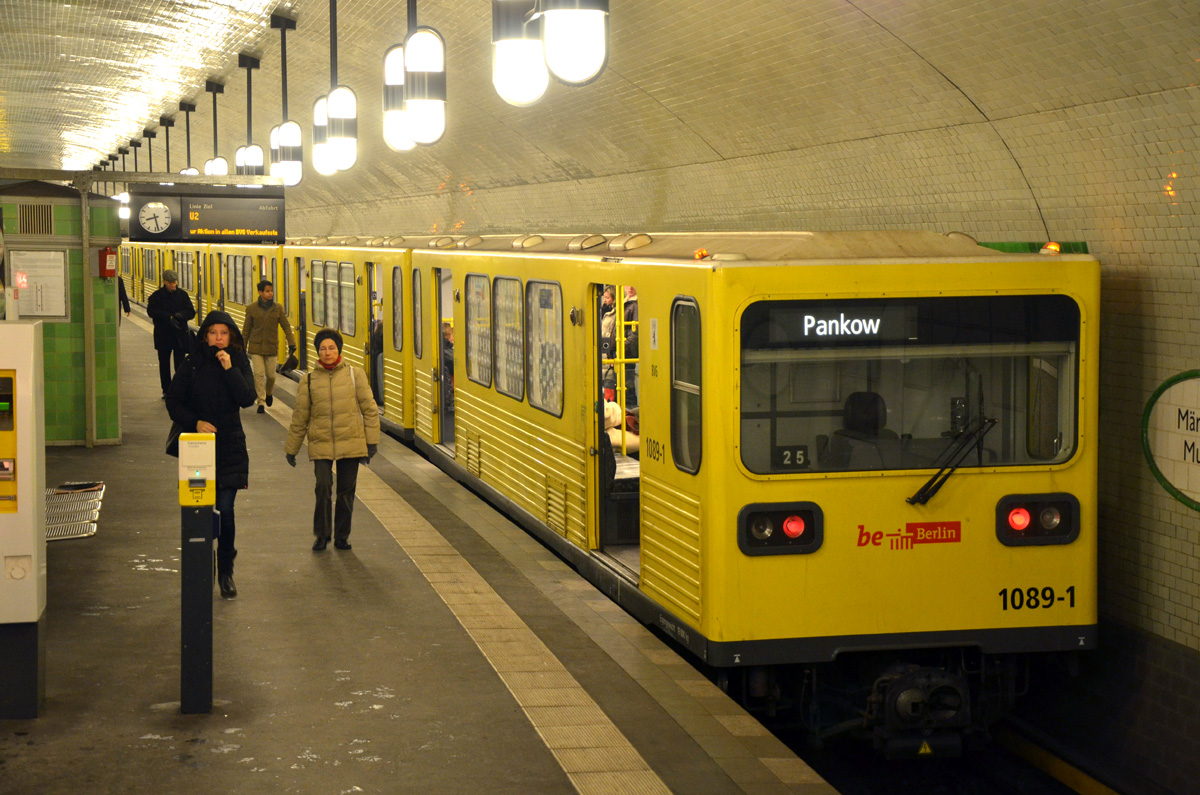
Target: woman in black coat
{"points": [[206, 396]]}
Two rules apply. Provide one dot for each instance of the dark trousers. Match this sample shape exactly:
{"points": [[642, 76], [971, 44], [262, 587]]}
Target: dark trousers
{"points": [[164, 365], [325, 520], [224, 506]]}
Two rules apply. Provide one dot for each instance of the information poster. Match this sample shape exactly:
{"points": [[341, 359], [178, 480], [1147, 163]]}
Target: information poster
{"points": [[40, 279]]}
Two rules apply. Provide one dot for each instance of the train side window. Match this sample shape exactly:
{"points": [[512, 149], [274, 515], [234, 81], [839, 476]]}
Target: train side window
{"points": [[479, 329], [317, 293], [398, 309], [686, 406], [544, 352], [509, 332], [418, 338], [281, 287], [331, 295], [253, 278], [348, 299], [235, 283]]}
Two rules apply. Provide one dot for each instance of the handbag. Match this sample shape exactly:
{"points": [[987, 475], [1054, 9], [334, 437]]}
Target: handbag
{"points": [[173, 439]]}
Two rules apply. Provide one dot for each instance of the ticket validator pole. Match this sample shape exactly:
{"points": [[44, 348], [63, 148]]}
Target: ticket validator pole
{"points": [[22, 521], [197, 495]]}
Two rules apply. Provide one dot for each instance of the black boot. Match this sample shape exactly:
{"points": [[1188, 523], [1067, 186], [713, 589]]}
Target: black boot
{"points": [[225, 577]]}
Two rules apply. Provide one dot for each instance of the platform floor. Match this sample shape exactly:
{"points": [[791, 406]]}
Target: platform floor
{"points": [[448, 651]]}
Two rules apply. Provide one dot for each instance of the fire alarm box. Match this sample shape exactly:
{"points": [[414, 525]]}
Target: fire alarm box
{"points": [[107, 266]]}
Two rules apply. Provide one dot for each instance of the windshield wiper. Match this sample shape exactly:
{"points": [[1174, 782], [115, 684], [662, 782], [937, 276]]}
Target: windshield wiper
{"points": [[958, 451]]}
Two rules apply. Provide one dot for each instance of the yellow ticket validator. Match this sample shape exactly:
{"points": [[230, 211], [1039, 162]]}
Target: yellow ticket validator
{"points": [[197, 469]]}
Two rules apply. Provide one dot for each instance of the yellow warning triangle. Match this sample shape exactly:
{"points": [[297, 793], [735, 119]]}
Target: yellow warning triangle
{"points": [[925, 749]]}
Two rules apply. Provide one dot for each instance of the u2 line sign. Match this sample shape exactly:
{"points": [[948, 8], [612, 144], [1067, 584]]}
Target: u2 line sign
{"points": [[1171, 436]]}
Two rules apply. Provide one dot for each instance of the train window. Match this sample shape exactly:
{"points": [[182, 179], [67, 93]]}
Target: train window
{"points": [[237, 268], [418, 337], [332, 302], [281, 286], [508, 328], [398, 308], [864, 385], [544, 352], [254, 267], [686, 438], [348, 299], [479, 329], [317, 293]]}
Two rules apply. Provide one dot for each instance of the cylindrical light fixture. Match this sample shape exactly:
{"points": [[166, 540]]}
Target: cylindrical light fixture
{"points": [[188, 108], [218, 166], [322, 158], [287, 153], [395, 119], [248, 159], [519, 70], [575, 33], [343, 127], [425, 85], [290, 167]]}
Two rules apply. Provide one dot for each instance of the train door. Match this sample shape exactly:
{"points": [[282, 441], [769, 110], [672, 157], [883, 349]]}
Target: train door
{"points": [[302, 312], [444, 336], [375, 325], [617, 426]]}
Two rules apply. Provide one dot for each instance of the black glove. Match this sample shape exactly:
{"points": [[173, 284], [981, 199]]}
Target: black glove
{"points": [[372, 449], [291, 349], [291, 458]]}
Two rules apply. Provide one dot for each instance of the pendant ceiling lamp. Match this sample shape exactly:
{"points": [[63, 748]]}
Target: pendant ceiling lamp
{"points": [[149, 136], [167, 122], [218, 166], [287, 156], [519, 70], [188, 108], [248, 159], [322, 157], [575, 34], [340, 110], [395, 118], [425, 84]]}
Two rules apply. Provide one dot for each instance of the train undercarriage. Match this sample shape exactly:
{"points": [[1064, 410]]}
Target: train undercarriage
{"points": [[923, 703]]}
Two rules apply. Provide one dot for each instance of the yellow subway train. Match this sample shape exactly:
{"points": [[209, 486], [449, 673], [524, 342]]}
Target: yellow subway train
{"points": [[853, 473]]}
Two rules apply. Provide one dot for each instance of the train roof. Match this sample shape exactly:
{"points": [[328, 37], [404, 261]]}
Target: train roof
{"points": [[725, 248]]}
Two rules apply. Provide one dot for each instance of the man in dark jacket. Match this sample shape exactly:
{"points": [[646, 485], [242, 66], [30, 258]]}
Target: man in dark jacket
{"points": [[170, 309], [209, 391]]}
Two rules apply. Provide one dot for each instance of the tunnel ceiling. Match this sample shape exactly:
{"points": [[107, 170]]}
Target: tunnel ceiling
{"points": [[697, 99]]}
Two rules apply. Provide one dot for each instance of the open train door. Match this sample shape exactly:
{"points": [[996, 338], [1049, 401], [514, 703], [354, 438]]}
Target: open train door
{"points": [[443, 339]]}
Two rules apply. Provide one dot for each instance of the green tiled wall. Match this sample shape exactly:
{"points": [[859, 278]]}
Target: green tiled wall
{"points": [[63, 352]]}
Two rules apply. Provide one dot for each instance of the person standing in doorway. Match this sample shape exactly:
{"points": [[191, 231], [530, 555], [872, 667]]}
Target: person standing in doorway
{"points": [[264, 318], [170, 309], [207, 396], [335, 410]]}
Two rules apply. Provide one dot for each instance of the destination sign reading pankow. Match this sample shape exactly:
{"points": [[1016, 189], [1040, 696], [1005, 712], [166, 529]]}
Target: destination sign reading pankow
{"points": [[1171, 437]]}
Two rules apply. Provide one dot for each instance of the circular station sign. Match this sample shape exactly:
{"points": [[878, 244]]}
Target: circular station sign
{"points": [[1171, 436]]}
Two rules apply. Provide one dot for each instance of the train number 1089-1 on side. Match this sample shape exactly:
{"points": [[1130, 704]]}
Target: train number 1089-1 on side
{"points": [[1034, 597]]}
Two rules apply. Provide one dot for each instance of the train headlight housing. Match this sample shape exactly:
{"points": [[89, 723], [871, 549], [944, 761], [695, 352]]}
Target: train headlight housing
{"points": [[786, 528], [1037, 519]]}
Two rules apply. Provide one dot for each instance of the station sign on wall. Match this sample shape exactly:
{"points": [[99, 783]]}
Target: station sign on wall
{"points": [[1171, 436], [197, 214]]}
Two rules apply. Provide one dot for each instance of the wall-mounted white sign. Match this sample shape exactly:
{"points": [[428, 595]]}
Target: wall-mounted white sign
{"points": [[40, 278]]}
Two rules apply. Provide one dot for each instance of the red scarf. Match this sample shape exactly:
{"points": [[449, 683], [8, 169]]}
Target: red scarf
{"points": [[330, 366]]}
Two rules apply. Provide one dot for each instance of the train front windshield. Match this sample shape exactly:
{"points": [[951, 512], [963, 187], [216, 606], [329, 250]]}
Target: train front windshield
{"points": [[867, 385]]}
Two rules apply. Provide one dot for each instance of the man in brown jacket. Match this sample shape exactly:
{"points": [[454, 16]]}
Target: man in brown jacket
{"points": [[264, 318]]}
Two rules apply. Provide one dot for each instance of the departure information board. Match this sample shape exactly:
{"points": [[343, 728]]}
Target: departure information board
{"points": [[198, 214]]}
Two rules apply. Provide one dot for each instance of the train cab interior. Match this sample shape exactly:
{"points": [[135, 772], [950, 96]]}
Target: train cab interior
{"points": [[619, 434]]}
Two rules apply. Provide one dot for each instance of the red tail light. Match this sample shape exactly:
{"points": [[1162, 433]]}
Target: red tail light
{"points": [[793, 526], [1018, 518]]}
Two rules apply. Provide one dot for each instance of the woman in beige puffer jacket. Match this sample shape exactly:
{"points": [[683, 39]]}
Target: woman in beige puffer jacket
{"points": [[337, 412]]}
